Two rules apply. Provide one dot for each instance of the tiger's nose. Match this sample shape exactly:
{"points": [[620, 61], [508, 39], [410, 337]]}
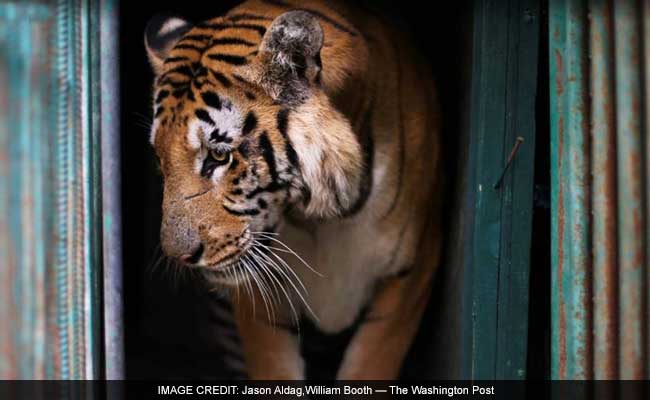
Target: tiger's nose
{"points": [[193, 257], [180, 240]]}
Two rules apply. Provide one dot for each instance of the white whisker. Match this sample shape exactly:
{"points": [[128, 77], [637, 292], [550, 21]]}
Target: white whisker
{"points": [[247, 283], [284, 263], [292, 252], [262, 290], [263, 265], [280, 270]]}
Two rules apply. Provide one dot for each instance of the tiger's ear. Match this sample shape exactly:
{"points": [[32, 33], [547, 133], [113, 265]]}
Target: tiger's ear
{"points": [[160, 36], [289, 60]]}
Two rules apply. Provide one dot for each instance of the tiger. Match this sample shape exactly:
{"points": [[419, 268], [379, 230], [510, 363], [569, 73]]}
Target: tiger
{"points": [[300, 146]]}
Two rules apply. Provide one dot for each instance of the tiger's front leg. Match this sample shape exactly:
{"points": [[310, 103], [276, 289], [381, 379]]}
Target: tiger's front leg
{"points": [[270, 353], [377, 350]]}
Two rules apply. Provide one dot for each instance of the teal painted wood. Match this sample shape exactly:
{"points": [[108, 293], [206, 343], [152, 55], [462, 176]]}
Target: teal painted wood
{"points": [[50, 190], [571, 345], [517, 192], [497, 266]]}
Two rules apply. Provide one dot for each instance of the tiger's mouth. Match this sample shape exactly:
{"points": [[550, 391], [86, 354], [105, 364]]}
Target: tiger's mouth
{"points": [[229, 270]]}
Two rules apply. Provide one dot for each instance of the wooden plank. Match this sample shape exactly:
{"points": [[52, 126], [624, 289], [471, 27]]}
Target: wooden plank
{"points": [[497, 267], [517, 191]]}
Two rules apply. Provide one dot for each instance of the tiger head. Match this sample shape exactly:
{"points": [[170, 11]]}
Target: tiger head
{"points": [[244, 132]]}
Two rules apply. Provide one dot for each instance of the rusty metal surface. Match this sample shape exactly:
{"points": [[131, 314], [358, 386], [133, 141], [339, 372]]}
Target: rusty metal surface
{"points": [[603, 150], [49, 191], [571, 344], [111, 193], [25, 76], [631, 213], [600, 182]]}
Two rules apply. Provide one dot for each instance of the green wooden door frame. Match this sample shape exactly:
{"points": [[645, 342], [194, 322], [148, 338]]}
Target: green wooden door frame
{"points": [[499, 217]]}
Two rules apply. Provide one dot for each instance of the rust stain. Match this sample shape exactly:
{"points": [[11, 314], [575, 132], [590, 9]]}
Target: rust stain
{"points": [[604, 199], [561, 222], [561, 216], [559, 85]]}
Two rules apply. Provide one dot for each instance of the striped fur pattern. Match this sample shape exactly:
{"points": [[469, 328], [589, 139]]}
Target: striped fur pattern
{"points": [[293, 137]]}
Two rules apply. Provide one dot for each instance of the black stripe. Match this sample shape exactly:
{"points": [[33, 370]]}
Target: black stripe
{"points": [[279, 3], [231, 41], [175, 59], [283, 127], [398, 245], [230, 59], [211, 99], [250, 123], [203, 116], [261, 30], [306, 195], [283, 122], [404, 272], [217, 136], [247, 16], [179, 93], [248, 211], [221, 78], [270, 188], [199, 38], [159, 111], [244, 150], [188, 47], [183, 70], [162, 95], [249, 95], [175, 84], [198, 83], [269, 155], [367, 146], [241, 79]]}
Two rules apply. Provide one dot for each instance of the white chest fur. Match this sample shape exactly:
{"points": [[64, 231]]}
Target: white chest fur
{"points": [[351, 254]]}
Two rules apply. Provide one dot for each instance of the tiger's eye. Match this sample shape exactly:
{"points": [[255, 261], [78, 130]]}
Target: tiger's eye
{"points": [[221, 157]]}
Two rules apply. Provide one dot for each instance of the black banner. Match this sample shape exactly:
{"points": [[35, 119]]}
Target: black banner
{"points": [[139, 390]]}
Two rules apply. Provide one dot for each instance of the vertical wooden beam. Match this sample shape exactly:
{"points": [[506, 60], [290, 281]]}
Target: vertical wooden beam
{"points": [[503, 112]]}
